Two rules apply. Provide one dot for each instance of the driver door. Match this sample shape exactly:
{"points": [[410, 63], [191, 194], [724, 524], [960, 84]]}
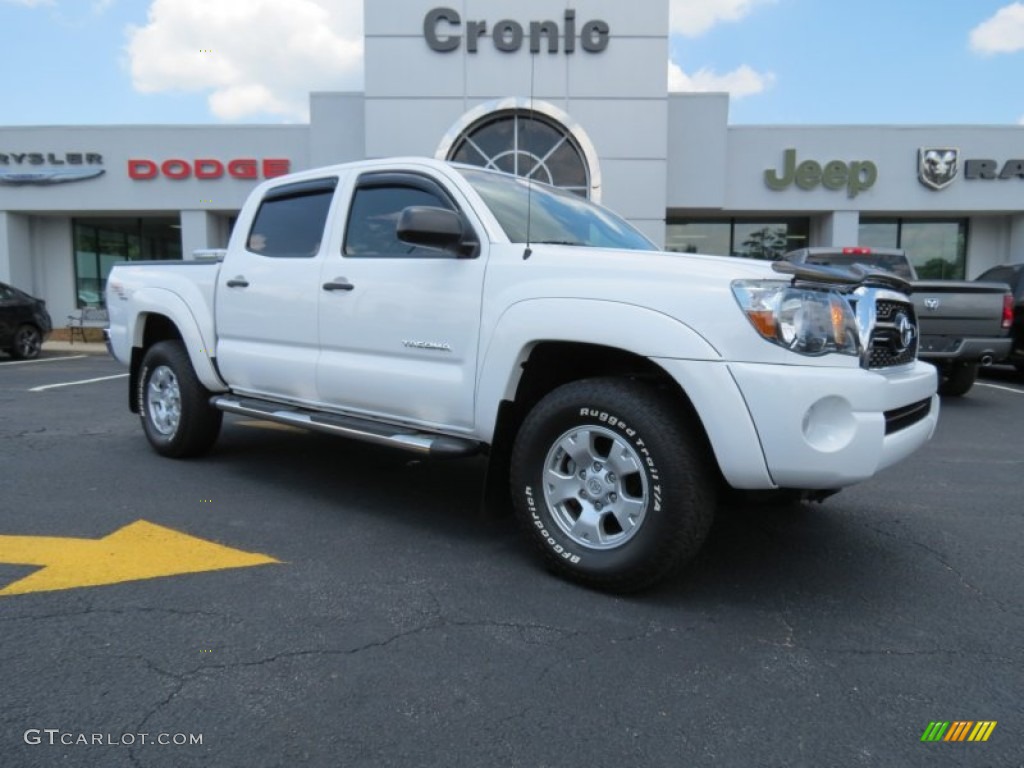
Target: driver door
{"points": [[399, 324]]}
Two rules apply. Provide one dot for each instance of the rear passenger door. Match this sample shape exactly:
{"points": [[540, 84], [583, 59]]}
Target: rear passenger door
{"points": [[267, 294], [399, 324]]}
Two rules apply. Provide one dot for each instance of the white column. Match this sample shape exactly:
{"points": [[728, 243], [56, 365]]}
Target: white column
{"points": [[16, 251], [839, 229], [198, 231], [1016, 253]]}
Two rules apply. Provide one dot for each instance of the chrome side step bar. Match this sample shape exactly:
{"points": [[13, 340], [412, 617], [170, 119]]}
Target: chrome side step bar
{"points": [[424, 443]]}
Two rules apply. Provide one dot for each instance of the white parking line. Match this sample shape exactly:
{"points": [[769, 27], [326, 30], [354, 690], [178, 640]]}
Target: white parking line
{"points": [[46, 360], [74, 383], [1005, 389]]}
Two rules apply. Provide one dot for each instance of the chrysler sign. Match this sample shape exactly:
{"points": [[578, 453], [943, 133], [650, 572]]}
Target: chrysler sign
{"points": [[41, 168]]}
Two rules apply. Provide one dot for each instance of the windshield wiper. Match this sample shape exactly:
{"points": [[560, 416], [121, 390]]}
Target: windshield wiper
{"points": [[557, 242]]}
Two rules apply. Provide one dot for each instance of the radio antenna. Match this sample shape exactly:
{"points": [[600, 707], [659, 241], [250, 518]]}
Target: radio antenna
{"points": [[529, 182]]}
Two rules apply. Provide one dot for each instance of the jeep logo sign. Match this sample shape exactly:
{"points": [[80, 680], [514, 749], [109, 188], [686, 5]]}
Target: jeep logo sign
{"points": [[441, 28], [855, 177]]}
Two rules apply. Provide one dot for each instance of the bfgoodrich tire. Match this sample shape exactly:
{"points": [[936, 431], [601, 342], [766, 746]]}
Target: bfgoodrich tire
{"points": [[174, 406], [957, 379], [613, 482]]}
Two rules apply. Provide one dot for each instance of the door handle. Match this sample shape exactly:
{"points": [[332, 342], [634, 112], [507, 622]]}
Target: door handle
{"points": [[237, 282], [338, 284]]}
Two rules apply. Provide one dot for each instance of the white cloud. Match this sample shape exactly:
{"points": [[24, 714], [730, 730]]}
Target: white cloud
{"points": [[255, 56], [743, 81], [695, 17], [30, 3], [1003, 33]]}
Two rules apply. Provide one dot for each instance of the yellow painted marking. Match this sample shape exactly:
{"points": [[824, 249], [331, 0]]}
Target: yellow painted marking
{"points": [[271, 425], [140, 550]]}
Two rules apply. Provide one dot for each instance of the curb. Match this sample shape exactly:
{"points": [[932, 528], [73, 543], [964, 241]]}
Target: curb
{"points": [[81, 348]]}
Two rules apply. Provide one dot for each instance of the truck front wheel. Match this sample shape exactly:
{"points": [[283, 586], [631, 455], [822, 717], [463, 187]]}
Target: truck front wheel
{"points": [[613, 482], [174, 406]]}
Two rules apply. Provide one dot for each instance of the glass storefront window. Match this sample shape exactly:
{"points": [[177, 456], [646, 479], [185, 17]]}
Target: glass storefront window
{"points": [[699, 237], [936, 247], [766, 239], [99, 244], [879, 234]]}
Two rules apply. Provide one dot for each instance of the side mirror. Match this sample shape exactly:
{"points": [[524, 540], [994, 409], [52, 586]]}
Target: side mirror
{"points": [[431, 228]]}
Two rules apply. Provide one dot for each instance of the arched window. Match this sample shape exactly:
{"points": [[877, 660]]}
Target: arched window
{"points": [[526, 140]]}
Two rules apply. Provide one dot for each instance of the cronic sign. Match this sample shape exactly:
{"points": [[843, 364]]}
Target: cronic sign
{"points": [[444, 31]]}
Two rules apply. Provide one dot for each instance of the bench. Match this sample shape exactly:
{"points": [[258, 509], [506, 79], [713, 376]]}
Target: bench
{"points": [[86, 317]]}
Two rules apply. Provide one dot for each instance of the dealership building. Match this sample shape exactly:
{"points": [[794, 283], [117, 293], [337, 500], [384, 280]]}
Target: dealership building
{"points": [[572, 93]]}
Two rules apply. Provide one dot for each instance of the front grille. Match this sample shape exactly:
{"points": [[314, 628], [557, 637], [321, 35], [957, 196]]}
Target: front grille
{"points": [[908, 415], [883, 355], [887, 346], [885, 310]]}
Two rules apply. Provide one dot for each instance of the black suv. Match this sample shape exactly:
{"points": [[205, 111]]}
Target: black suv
{"points": [[24, 323]]}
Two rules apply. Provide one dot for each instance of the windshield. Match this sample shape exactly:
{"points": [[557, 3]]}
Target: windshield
{"points": [[555, 216]]}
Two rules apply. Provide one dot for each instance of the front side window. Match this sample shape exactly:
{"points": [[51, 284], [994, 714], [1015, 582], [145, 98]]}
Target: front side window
{"points": [[291, 219], [372, 225]]}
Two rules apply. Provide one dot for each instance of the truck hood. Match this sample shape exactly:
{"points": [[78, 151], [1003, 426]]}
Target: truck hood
{"points": [[692, 289], [656, 265]]}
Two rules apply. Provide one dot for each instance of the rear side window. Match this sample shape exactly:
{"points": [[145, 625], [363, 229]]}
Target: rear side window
{"points": [[291, 220], [372, 222]]}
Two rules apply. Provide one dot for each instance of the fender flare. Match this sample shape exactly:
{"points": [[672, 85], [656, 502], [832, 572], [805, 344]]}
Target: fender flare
{"points": [[198, 344], [586, 321]]}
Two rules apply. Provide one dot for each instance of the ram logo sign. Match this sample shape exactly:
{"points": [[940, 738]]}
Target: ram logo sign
{"points": [[937, 166]]}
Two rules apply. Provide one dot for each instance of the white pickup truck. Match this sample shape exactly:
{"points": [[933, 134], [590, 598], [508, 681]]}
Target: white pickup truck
{"points": [[449, 310]]}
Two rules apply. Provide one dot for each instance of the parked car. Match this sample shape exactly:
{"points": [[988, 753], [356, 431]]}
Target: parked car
{"points": [[963, 324], [24, 323], [1013, 276], [448, 310]]}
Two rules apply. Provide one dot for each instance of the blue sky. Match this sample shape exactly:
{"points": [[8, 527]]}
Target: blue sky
{"points": [[786, 61]]}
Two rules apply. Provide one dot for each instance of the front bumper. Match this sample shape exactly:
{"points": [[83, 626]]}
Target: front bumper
{"points": [[825, 428]]}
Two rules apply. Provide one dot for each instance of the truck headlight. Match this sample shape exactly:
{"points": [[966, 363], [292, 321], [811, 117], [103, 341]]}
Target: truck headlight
{"points": [[808, 322]]}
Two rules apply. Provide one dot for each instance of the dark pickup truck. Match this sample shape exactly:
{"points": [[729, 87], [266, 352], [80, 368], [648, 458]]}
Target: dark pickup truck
{"points": [[1013, 276], [964, 324]]}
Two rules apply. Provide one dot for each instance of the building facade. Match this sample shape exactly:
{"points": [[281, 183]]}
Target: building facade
{"points": [[572, 93]]}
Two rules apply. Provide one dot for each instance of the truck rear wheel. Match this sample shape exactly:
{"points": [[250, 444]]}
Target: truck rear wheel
{"points": [[613, 483], [956, 379], [174, 406]]}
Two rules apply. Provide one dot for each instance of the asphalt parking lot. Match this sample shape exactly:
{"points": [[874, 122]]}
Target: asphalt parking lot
{"points": [[363, 612]]}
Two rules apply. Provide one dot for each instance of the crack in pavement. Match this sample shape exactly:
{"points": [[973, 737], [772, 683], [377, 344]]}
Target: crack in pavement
{"points": [[186, 678], [941, 558], [112, 611]]}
